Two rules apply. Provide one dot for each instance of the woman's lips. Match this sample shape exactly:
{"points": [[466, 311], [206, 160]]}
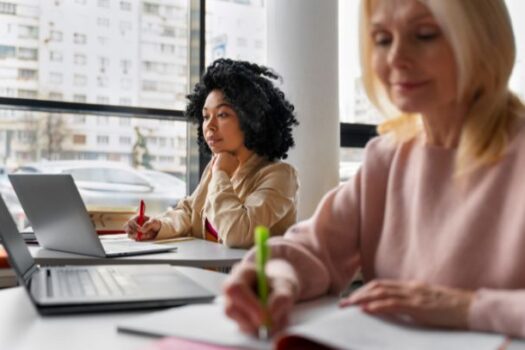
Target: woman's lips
{"points": [[408, 85], [213, 141]]}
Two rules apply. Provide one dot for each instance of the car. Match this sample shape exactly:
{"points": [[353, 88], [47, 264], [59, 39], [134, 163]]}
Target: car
{"points": [[106, 184]]}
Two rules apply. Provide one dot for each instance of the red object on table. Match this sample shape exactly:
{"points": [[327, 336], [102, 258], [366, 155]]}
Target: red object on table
{"points": [[140, 219]]}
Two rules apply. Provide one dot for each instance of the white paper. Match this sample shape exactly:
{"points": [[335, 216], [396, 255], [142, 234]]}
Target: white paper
{"points": [[350, 328], [320, 320]]}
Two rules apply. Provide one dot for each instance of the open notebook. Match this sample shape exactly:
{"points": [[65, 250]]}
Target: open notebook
{"points": [[320, 321]]}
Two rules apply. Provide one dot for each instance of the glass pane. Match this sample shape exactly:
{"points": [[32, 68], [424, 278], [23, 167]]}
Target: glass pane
{"points": [[114, 161], [354, 105], [349, 162], [106, 52], [236, 29], [517, 80]]}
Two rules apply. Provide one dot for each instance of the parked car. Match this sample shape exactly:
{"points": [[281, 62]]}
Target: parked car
{"points": [[105, 184]]}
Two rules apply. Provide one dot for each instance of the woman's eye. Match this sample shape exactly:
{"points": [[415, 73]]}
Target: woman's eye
{"points": [[222, 115], [205, 117], [427, 34], [382, 39]]}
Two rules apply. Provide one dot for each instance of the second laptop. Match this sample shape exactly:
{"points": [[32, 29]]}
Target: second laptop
{"points": [[61, 222]]}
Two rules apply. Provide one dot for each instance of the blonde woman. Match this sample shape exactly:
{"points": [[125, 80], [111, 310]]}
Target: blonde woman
{"points": [[435, 216]]}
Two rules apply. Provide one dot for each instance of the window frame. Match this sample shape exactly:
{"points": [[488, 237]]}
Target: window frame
{"points": [[351, 134], [195, 162]]}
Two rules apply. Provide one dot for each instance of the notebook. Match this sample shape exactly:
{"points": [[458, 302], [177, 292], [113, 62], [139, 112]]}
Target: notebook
{"points": [[75, 289], [61, 222], [316, 324]]}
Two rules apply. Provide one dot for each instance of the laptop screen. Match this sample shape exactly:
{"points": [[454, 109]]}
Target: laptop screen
{"points": [[13, 242]]}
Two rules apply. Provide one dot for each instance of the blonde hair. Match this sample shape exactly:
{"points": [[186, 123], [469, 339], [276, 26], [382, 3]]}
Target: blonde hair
{"points": [[481, 36]]}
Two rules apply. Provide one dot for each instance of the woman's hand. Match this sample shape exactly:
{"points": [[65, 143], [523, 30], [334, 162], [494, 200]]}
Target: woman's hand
{"points": [[243, 306], [149, 229], [226, 162], [425, 304]]}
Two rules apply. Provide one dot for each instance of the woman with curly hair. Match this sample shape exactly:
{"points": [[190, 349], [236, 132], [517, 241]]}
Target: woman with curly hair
{"points": [[246, 123]]}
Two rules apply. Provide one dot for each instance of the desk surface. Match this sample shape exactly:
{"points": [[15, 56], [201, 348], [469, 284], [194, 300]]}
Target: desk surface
{"points": [[195, 252], [21, 327]]}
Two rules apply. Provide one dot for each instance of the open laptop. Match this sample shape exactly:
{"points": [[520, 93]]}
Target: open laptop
{"points": [[60, 220], [74, 289]]}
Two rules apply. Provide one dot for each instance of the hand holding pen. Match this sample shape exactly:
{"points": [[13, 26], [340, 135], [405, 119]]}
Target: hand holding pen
{"points": [[141, 227], [245, 304]]}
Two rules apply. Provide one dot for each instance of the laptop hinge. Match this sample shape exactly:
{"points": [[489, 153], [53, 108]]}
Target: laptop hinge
{"points": [[27, 275]]}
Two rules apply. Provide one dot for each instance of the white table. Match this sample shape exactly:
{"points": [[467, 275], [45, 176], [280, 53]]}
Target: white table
{"points": [[195, 252], [22, 328]]}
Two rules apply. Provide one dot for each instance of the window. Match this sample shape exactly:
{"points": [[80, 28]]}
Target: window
{"points": [[102, 40], [125, 6], [102, 81], [70, 71], [7, 8], [27, 32], [56, 36], [80, 59], [23, 93], [58, 96], [103, 22], [102, 139], [79, 80], [125, 140], [103, 63], [7, 51], [231, 26], [103, 100], [27, 54], [79, 38], [79, 98], [153, 9], [125, 66], [55, 56], [79, 139], [27, 74], [80, 119]]}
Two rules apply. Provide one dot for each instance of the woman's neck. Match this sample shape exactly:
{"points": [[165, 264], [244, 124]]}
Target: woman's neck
{"points": [[243, 154], [443, 127]]}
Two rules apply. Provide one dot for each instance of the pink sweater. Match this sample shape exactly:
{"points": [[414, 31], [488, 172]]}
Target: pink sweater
{"points": [[404, 217]]}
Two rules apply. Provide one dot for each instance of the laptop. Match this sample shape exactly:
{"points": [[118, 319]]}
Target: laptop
{"points": [[61, 222], [76, 289]]}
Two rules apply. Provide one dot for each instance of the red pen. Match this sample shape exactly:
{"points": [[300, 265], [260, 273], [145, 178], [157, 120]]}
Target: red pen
{"points": [[140, 219]]}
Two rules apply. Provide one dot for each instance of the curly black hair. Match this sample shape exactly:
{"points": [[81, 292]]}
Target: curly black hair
{"points": [[266, 117]]}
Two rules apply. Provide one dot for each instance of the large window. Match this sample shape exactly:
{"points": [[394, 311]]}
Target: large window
{"points": [[97, 83], [236, 30]]}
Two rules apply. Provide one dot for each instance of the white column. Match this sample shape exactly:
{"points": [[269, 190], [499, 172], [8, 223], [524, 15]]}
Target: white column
{"points": [[302, 48]]}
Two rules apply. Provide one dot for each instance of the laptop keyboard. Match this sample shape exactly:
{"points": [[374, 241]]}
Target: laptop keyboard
{"points": [[78, 282]]}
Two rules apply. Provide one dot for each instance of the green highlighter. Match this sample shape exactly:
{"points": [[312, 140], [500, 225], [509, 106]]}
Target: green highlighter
{"points": [[262, 255]]}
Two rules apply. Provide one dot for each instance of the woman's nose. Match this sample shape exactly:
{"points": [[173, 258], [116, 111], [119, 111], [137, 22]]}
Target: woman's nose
{"points": [[399, 55], [211, 124]]}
